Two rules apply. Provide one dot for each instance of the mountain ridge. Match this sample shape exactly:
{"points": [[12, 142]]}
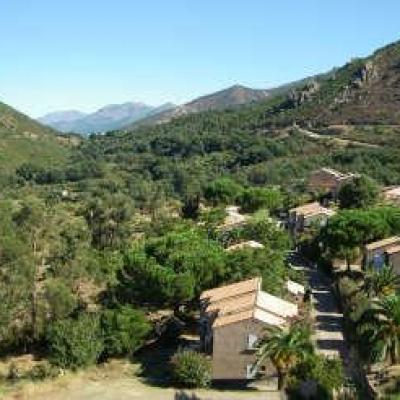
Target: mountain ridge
{"points": [[107, 118], [363, 91]]}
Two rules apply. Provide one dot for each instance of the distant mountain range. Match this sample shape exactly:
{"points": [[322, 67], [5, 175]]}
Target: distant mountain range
{"points": [[107, 118], [126, 115], [364, 91], [231, 97]]}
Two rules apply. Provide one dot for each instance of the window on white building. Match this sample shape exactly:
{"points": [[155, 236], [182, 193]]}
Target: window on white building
{"points": [[251, 371], [251, 341]]}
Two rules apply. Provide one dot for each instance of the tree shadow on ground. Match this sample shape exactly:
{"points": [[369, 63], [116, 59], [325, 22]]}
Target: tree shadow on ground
{"points": [[155, 360], [182, 395]]}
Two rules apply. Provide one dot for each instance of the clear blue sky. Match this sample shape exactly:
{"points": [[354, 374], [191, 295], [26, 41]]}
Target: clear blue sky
{"points": [[82, 54]]}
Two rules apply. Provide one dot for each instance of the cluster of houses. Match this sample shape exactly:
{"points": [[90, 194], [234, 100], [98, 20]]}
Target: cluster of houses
{"points": [[328, 181], [233, 317]]}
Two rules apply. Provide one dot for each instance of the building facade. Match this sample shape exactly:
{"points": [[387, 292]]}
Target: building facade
{"points": [[233, 319], [383, 252], [329, 181], [305, 216]]}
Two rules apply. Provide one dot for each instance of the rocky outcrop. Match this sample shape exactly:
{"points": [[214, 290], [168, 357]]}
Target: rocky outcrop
{"points": [[366, 74], [297, 97]]}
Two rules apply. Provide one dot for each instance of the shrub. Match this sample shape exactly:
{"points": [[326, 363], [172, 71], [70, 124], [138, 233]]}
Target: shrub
{"points": [[191, 369], [326, 372], [124, 330], [222, 190], [60, 299], [75, 343], [255, 198], [361, 192], [43, 371], [14, 373]]}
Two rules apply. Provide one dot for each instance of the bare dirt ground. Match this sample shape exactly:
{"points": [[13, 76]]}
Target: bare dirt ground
{"points": [[117, 381]]}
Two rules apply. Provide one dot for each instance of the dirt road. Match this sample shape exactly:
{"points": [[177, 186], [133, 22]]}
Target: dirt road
{"points": [[338, 140]]}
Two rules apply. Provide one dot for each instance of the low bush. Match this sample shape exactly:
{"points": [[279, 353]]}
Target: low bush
{"points": [[14, 373], [191, 369], [124, 330], [75, 343], [255, 198], [43, 371], [327, 373]]}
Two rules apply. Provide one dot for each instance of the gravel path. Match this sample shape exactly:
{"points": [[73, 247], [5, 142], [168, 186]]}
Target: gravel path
{"points": [[328, 320], [329, 336]]}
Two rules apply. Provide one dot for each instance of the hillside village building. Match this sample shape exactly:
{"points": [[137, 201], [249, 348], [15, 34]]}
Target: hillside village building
{"points": [[392, 194], [305, 216], [383, 252], [233, 318], [327, 180]]}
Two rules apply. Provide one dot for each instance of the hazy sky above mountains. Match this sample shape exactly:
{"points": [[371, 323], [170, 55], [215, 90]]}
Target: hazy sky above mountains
{"points": [[82, 54]]}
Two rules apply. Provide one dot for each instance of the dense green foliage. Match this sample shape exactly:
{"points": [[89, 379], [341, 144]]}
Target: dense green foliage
{"points": [[175, 267], [361, 192], [325, 371], [191, 369], [255, 198], [286, 349], [124, 330], [384, 282], [349, 230], [380, 325], [75, 343]]}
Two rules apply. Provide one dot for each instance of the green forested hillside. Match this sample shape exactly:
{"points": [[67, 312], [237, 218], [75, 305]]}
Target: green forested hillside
{"points": [[24, 140], [364, 91], [260, 143]]}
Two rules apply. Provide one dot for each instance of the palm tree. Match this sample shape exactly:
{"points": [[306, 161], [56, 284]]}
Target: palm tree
{"points": [[285, 348], [380, 324], [381, 283]]}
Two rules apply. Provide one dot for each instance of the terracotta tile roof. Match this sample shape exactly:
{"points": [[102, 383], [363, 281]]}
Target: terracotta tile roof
{"points": [[250, 243], [235, 289], [393, 249], [233, 304], [311, 209], [233, 318], [382, 243], [392, 193], [245, 300]]}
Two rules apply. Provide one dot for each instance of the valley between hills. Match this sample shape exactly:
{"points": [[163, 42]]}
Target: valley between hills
{"points": [[174, 252]]}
